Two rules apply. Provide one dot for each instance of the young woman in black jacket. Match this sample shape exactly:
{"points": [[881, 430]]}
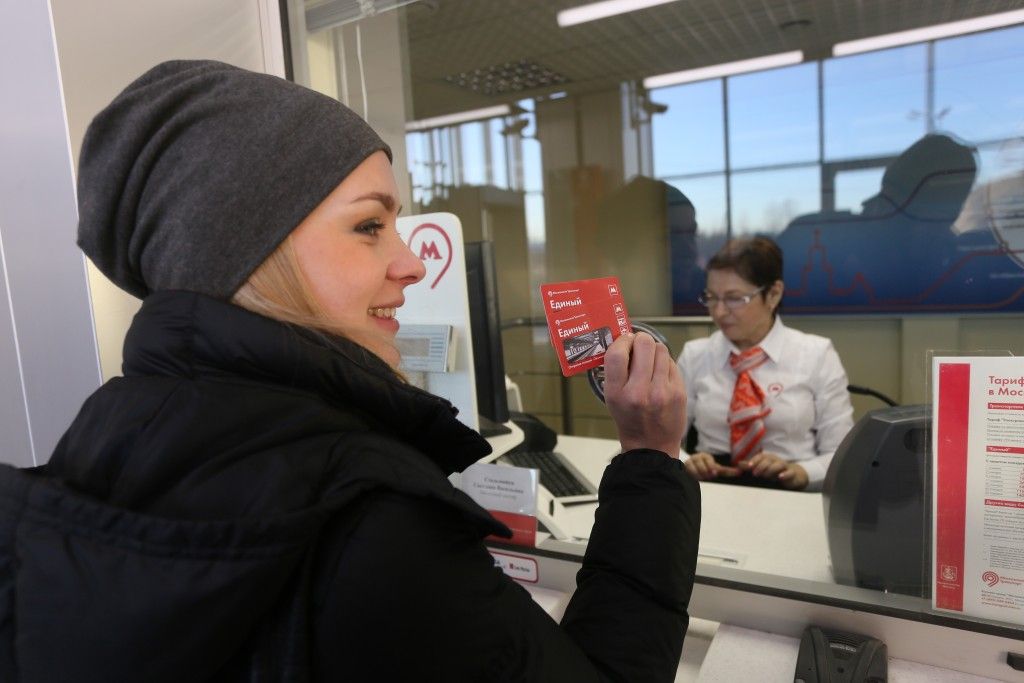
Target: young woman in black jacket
{"points": [[260, 496]]}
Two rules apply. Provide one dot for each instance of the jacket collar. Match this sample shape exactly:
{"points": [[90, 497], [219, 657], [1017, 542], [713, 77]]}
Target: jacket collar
{"points": [[190, 335]]}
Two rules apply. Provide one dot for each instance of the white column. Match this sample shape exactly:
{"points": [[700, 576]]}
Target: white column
{"points": [[48, 354], [61, 61], [102, 47]]}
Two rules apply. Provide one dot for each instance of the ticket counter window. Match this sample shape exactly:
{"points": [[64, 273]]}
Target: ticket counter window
{"points": [[891, 175]]}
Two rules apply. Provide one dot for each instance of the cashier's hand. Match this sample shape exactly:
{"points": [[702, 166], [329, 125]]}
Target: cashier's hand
{"points": [[702, 466], [771, 466], [645, 394]]}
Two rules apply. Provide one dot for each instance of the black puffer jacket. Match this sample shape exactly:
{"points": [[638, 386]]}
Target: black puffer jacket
{"points": [[251, 503]]}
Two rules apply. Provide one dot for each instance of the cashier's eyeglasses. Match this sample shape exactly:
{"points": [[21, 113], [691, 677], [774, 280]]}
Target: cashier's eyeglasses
{"points": [[732, 302]]}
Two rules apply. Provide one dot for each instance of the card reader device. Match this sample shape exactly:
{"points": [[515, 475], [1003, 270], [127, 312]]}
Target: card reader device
{"points": [[837, 657]]}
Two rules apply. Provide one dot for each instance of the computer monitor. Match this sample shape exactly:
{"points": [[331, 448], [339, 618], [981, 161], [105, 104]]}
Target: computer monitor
{"points": [[485, 326], [877, 502]]}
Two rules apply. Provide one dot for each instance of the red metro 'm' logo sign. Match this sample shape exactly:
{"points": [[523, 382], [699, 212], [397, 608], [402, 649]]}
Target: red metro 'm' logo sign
{"points": [[431, 243]]}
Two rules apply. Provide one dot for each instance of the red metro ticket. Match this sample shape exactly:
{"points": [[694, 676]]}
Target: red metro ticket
{"points": [[584, 317]]}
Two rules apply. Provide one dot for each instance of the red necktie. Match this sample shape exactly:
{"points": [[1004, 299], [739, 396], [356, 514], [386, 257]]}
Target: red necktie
{"points": [[747, 409]]}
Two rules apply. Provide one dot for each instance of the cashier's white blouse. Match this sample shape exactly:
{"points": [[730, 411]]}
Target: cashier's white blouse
{"points": [[805, 385]]}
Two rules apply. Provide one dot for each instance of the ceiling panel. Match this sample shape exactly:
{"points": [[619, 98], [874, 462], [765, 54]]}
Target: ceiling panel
{"points": [[447, 37]]}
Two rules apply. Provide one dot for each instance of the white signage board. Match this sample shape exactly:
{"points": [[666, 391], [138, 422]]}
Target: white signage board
{"points": [[440, 298]]}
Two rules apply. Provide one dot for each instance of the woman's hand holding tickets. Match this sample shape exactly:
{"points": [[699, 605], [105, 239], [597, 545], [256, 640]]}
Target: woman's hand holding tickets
{"points": [[645, 394]]}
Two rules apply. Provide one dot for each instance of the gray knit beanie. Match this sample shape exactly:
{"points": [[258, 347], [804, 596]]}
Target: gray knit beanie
{"points": [[198, 170]]}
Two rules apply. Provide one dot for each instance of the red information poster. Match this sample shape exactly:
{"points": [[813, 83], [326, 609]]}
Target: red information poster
{"points": [[978, 486]]}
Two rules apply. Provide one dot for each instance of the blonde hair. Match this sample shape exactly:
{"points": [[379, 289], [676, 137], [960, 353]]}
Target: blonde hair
{"points": [[279, 289]]}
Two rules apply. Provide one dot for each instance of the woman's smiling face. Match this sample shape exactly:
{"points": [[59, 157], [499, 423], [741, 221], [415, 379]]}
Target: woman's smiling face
{"points": [[354, 260]]}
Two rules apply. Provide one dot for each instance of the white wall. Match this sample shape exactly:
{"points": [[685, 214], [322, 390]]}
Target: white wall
{"points": [[103, 45], [48, 362], [60, 63]]}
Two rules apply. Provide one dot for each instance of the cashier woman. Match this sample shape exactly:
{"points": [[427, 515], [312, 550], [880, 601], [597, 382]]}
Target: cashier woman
{"points": [[769, 403]]}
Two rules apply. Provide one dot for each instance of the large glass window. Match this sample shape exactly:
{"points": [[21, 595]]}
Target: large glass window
{"points": [[854, 187], [854, 146], [690, 136], [707, 194], [498, 162], [773, 117], [975, 96], [473, 166], [875, 103], [764, 202]]}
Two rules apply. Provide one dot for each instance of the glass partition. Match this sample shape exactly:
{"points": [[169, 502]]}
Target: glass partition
{"points": [[892, 178]]}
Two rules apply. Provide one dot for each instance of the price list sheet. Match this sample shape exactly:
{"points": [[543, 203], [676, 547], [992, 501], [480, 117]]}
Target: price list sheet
{"points": [[978, 486]]}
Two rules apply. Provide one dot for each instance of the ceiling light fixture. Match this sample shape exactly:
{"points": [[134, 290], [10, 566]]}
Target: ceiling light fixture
{"points": [[462, 117], [919, 35], [727, 69], [601, 10], [510, 77]]}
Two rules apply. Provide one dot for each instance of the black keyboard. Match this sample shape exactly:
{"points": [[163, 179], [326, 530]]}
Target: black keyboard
{"points": [[554, 476]]}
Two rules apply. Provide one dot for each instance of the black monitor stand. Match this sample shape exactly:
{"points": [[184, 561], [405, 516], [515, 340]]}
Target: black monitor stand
{"points": [[489, 427]]}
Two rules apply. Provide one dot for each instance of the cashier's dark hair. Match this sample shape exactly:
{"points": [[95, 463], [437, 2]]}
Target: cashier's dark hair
{"points": [[758, 260]]}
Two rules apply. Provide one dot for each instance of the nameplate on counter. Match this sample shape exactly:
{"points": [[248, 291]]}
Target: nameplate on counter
{"points": [[510, 494], [499, 487], [516, 566]]}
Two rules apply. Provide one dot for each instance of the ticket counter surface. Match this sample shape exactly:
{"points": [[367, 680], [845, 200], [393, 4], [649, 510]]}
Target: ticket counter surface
{"points": [[763, 574]]}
